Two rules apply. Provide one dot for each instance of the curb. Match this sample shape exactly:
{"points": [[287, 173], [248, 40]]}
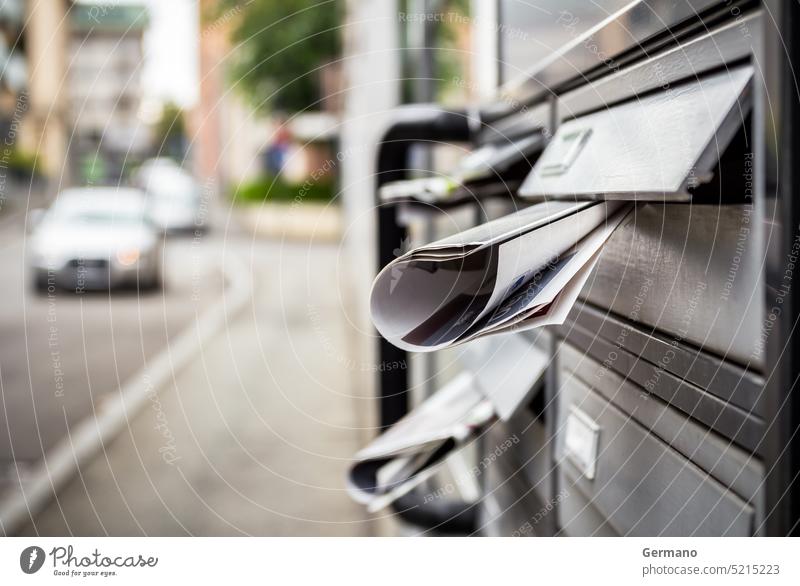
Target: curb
{"points": [[86, 438]]}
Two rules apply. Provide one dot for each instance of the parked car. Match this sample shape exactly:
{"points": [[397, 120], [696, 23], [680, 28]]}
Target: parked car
{"points": [[156, 162], [173, 196], [96, 238]]}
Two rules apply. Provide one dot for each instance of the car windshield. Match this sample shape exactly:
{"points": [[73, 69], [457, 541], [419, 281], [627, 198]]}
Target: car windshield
{"points": [[100, 216], [84, 213]]}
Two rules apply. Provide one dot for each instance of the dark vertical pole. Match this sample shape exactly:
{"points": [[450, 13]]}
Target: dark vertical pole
{"points": [[393, 365], [421, 124], [781, 168], [393, 372], [422, 154]]}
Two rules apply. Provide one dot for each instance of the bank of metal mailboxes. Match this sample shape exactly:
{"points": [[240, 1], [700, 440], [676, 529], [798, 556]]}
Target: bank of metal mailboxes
{"points": [[650, 417], [652, 421]]}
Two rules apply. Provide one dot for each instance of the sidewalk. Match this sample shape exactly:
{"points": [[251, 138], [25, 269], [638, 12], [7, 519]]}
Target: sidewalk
{"points": [[254, 437]]}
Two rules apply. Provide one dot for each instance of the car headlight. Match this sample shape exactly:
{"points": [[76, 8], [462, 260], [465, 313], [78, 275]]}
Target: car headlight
{"points": [[128, 257]]}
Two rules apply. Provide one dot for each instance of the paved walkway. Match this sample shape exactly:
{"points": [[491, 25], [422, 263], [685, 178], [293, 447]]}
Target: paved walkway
{"points": [[254, 438]]}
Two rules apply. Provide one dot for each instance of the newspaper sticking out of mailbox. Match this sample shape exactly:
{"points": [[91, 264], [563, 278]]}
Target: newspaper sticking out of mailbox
{"points": [[488, 162], [418, 445], [521, 271]]}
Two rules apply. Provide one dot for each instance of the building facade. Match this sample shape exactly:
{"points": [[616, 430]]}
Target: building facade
{"points": [[106, 56]]}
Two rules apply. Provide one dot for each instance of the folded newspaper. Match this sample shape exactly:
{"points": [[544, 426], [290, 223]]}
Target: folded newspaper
{"points": [[416, 446], [501, 374], [521, 271], [485, 164]]}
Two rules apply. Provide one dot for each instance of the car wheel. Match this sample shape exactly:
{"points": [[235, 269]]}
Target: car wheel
{"points": [[152, 283], [40, 283]]}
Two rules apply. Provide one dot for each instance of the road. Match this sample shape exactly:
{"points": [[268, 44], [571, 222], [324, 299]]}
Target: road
{"points": [[61, 353], [253, 438]]}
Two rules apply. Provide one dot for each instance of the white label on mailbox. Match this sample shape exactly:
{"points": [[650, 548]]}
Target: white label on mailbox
{"points": [[582, 438], [562, 152]]}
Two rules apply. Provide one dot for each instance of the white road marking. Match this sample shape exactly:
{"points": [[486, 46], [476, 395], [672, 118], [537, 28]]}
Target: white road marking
{"points": [[85, 439]]}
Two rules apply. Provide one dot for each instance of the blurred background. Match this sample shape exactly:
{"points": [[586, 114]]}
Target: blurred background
{"points": [[188, 234]]}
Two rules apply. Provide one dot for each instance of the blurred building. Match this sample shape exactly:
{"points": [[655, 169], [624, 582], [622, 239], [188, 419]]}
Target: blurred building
{"points": [[45, 120], [13, 67], [205, 122], [227, 136], [232, 140], [13, 96], [106, 56]]}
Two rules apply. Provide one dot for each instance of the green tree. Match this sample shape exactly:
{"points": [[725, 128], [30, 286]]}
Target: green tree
{"points": [[279, 46], [169, 134]]}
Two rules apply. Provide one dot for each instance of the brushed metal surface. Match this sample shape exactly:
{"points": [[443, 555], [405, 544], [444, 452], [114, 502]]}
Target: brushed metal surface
{"points": [[729, 464], [693, 272], [509, 369], [650, 149], [511, 506], [726, 44], [527, 121], [642, 486], [625, 29], [723, 379], [731, 422], [577, 516]]}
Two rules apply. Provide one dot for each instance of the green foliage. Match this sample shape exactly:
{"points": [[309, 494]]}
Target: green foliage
{"points": [[269, 189], [93, 168], [448, 63], [282, 45], [169, 134], [21, 163]]}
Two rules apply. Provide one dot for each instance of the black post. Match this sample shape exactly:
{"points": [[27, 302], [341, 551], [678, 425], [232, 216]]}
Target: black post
{"points": [[412, 125], [781, 172]]}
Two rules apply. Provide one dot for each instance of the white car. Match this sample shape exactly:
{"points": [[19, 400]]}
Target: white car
{"points": [[96, 238], [173, 196]]}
